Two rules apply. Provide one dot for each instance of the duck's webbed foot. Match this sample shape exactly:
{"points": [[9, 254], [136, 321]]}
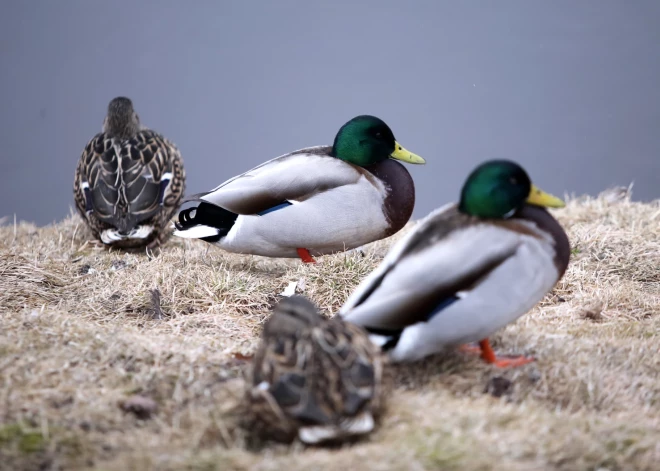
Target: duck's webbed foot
{"points": [[489, 356], [305, 256]]}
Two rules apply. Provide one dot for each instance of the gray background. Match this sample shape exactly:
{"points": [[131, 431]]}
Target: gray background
{"points": [[571, 89]]}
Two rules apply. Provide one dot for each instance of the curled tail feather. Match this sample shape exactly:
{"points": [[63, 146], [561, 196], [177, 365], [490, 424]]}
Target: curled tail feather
{"points": [[205, 221]]}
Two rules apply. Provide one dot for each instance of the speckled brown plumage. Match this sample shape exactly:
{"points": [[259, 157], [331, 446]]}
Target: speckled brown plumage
{"points": [[128, 177], [313, 377]]}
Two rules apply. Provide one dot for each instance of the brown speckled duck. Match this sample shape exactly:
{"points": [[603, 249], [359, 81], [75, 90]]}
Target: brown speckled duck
{"points": [[313, 201], [129, 181], [315, 378]]}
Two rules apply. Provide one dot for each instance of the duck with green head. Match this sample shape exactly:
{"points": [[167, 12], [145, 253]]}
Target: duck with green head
{"points": [[313, 201], [466, 270]]}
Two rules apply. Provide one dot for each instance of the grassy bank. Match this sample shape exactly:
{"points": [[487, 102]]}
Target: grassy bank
{"points": [[82, 333]]}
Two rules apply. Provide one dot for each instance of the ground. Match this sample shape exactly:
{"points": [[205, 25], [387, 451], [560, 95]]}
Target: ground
{"points": [[94, 375]]}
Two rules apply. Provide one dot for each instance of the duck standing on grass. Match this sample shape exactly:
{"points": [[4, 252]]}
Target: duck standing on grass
{"points": [[313, 201], [129, 181], [466, 270], [317, 378]]}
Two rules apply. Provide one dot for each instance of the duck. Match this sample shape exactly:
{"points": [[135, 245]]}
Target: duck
{"points": [[313, 201], [466, 270], [129, 181], [314, 378]]}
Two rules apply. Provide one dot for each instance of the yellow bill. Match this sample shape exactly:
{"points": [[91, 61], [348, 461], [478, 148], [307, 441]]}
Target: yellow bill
{"points": [[539, 197], [400, 153]]}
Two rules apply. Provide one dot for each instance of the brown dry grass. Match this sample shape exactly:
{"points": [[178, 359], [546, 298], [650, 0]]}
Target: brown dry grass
{"points": [[79, 335]]}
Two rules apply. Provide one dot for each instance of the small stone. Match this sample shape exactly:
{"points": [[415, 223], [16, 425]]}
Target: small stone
{"points": [[534, 375], [86, 269], [498, 386], [293, 287], [141, 407], [290, 289], [118, 265], [593, 312]]}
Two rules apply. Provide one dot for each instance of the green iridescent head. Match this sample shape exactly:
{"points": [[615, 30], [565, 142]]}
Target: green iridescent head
{"points": [[366, 140], [498, 188]]}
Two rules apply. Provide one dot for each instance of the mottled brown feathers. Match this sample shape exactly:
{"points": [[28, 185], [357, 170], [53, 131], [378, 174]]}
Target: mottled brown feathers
{"points": [[310, 371], [124, 179]]}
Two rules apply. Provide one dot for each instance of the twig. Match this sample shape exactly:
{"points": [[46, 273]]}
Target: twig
{"points": [[156, 310], [73, 237]]}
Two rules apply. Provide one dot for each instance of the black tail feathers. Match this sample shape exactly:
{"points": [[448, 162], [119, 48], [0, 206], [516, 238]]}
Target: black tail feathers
{"points": [[207, 214], [392, 336]]}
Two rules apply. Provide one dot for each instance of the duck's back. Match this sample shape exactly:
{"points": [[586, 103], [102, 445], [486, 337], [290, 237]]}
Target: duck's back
{"points": [[122, 183]]}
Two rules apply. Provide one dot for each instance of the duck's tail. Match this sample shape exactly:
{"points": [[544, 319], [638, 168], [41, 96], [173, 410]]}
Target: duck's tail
{"points": [[383, 338], [205, 221]]}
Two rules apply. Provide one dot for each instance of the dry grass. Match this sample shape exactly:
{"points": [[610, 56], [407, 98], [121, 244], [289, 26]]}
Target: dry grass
{"points": [[81, 335]]}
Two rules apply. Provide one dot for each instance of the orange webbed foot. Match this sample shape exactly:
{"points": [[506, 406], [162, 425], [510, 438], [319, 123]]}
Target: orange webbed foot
{"points": [[305, 256], [488, 355]]}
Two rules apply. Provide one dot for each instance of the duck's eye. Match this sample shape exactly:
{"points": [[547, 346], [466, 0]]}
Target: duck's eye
{"points": [[513, 180], [379, 134]]}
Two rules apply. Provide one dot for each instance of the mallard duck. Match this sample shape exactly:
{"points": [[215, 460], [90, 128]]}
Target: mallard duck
{"points": [[129, 180], [316, 378], [466, 270], [313, 201]]}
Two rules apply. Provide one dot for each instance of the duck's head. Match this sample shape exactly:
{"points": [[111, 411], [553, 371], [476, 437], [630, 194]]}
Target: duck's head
{"points": [[291, 316], [499, 188], [367, 140], [121, 122]]}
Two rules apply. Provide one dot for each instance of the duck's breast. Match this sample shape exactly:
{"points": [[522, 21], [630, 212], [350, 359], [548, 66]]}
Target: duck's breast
{"points": [[400, 201]]}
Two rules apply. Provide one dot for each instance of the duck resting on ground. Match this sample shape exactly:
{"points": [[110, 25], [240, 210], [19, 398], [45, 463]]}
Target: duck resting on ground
{"points": [[313, 201], [467, 270], [317, 378], [129, 181]]}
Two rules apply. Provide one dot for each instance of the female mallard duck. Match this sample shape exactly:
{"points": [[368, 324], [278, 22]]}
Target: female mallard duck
{"points": [[316, 378], [129, 180], [466, 270], [313, 201]]}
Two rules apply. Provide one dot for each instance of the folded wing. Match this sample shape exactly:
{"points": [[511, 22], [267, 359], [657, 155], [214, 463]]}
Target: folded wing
{"points": [[292, 177], [428, 269]]}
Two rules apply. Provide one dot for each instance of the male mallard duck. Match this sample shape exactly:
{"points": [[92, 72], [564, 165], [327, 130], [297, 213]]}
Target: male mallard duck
{"points": [[316, 378], [313, 201], [129, 180], [466, 270]]}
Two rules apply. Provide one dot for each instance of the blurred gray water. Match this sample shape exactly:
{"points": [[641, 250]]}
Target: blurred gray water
{"points": [[569, 89]]}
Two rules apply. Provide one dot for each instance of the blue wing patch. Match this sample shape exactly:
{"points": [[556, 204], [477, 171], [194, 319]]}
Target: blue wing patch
{"points": [[274, 208], [444, 304], [163, 186]]}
